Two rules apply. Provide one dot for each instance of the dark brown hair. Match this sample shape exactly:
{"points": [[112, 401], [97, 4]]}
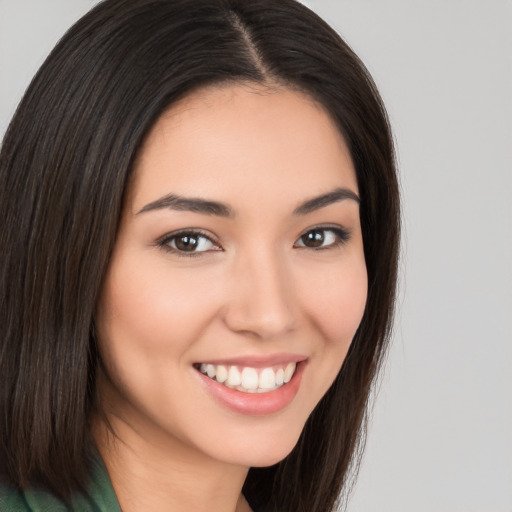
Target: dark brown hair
{"points": [[64, 166]]}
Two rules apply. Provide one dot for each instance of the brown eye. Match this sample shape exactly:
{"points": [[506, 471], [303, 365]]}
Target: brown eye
{"points": [[314, 238], [323, 238], [188, 242]]}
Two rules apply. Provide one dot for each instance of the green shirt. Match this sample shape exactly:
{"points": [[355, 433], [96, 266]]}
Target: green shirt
{"points": [[100, 497]]}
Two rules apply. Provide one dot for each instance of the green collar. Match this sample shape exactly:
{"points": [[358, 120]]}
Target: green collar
{"points": [[100, 496]]}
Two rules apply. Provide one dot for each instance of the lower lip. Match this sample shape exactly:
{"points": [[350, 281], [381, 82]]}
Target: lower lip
{"points": [[255, 404]]}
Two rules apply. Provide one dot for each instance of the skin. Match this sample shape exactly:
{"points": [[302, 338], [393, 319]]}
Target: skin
{"points": [[255, 291]]}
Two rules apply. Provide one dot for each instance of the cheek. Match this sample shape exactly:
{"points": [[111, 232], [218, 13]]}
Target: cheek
{"points": [[147, 321], [336, 308], [338, 302], [146, 307]]}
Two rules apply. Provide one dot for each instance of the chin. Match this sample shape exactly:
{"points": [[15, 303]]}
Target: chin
{"points": [[262, 449]]}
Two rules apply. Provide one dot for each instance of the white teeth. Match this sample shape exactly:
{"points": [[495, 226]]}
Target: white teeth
{"points": [[245, 390], [267, 390], [234, 377], [267, 379], [210, 370], [222, 373], [289, 371], [249, 380]]}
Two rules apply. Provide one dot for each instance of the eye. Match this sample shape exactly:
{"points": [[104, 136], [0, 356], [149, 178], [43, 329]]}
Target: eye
{"points": [[323, 238], [188, 243]]}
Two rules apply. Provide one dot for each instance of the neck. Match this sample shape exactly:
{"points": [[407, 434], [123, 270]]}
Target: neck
{"points": [[153, 472]]}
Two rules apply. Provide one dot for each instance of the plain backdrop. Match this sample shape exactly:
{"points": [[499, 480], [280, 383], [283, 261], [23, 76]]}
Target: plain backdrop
{"points": [[441, 434]]}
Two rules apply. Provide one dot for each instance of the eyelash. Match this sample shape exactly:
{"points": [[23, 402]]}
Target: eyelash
{"points": [[342, 236]]}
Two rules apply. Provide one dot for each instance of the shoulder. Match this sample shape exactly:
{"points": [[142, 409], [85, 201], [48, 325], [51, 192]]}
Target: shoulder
{"points": [[11, 500], [15, 500], [100, 497], [32, 499], [29, 500]]}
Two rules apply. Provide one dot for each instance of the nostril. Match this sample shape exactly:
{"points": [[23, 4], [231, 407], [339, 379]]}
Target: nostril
{"points": [[260, 318]]}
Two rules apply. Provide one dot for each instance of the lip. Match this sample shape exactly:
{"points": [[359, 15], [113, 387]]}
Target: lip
{"points": [[254, 404], [257, 361]]}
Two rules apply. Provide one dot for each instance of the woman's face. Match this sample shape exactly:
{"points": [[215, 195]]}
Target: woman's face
{"points": [[238, 278]]}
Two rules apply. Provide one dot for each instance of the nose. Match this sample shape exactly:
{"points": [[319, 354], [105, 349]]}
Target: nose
{"points": [[262, 298]]}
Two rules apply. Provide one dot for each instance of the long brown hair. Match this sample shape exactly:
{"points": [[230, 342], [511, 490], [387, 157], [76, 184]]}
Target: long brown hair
{"points": [[64, 165]]}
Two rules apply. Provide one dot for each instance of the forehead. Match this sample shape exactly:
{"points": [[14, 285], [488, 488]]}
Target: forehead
{"points": [[242, 141]]}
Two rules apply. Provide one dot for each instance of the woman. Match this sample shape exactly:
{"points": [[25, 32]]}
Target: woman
{"points": [[201, 233]]}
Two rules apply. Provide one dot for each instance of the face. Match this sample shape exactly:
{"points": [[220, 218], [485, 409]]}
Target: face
{"points": [[238, 278]]}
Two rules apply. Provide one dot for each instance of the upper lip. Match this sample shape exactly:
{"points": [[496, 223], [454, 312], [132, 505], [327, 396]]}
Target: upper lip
{"points": [[257, 361]]}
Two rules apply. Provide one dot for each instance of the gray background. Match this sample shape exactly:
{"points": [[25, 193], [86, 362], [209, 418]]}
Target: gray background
{"points": [[441, 435]]}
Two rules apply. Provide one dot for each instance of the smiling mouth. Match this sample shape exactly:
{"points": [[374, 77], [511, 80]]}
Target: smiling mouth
{"points": [[248, 379]]}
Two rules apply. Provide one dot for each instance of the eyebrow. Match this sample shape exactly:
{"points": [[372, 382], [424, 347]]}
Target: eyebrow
{"points": [[208, 207], [337, 195], [192, 204]]}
